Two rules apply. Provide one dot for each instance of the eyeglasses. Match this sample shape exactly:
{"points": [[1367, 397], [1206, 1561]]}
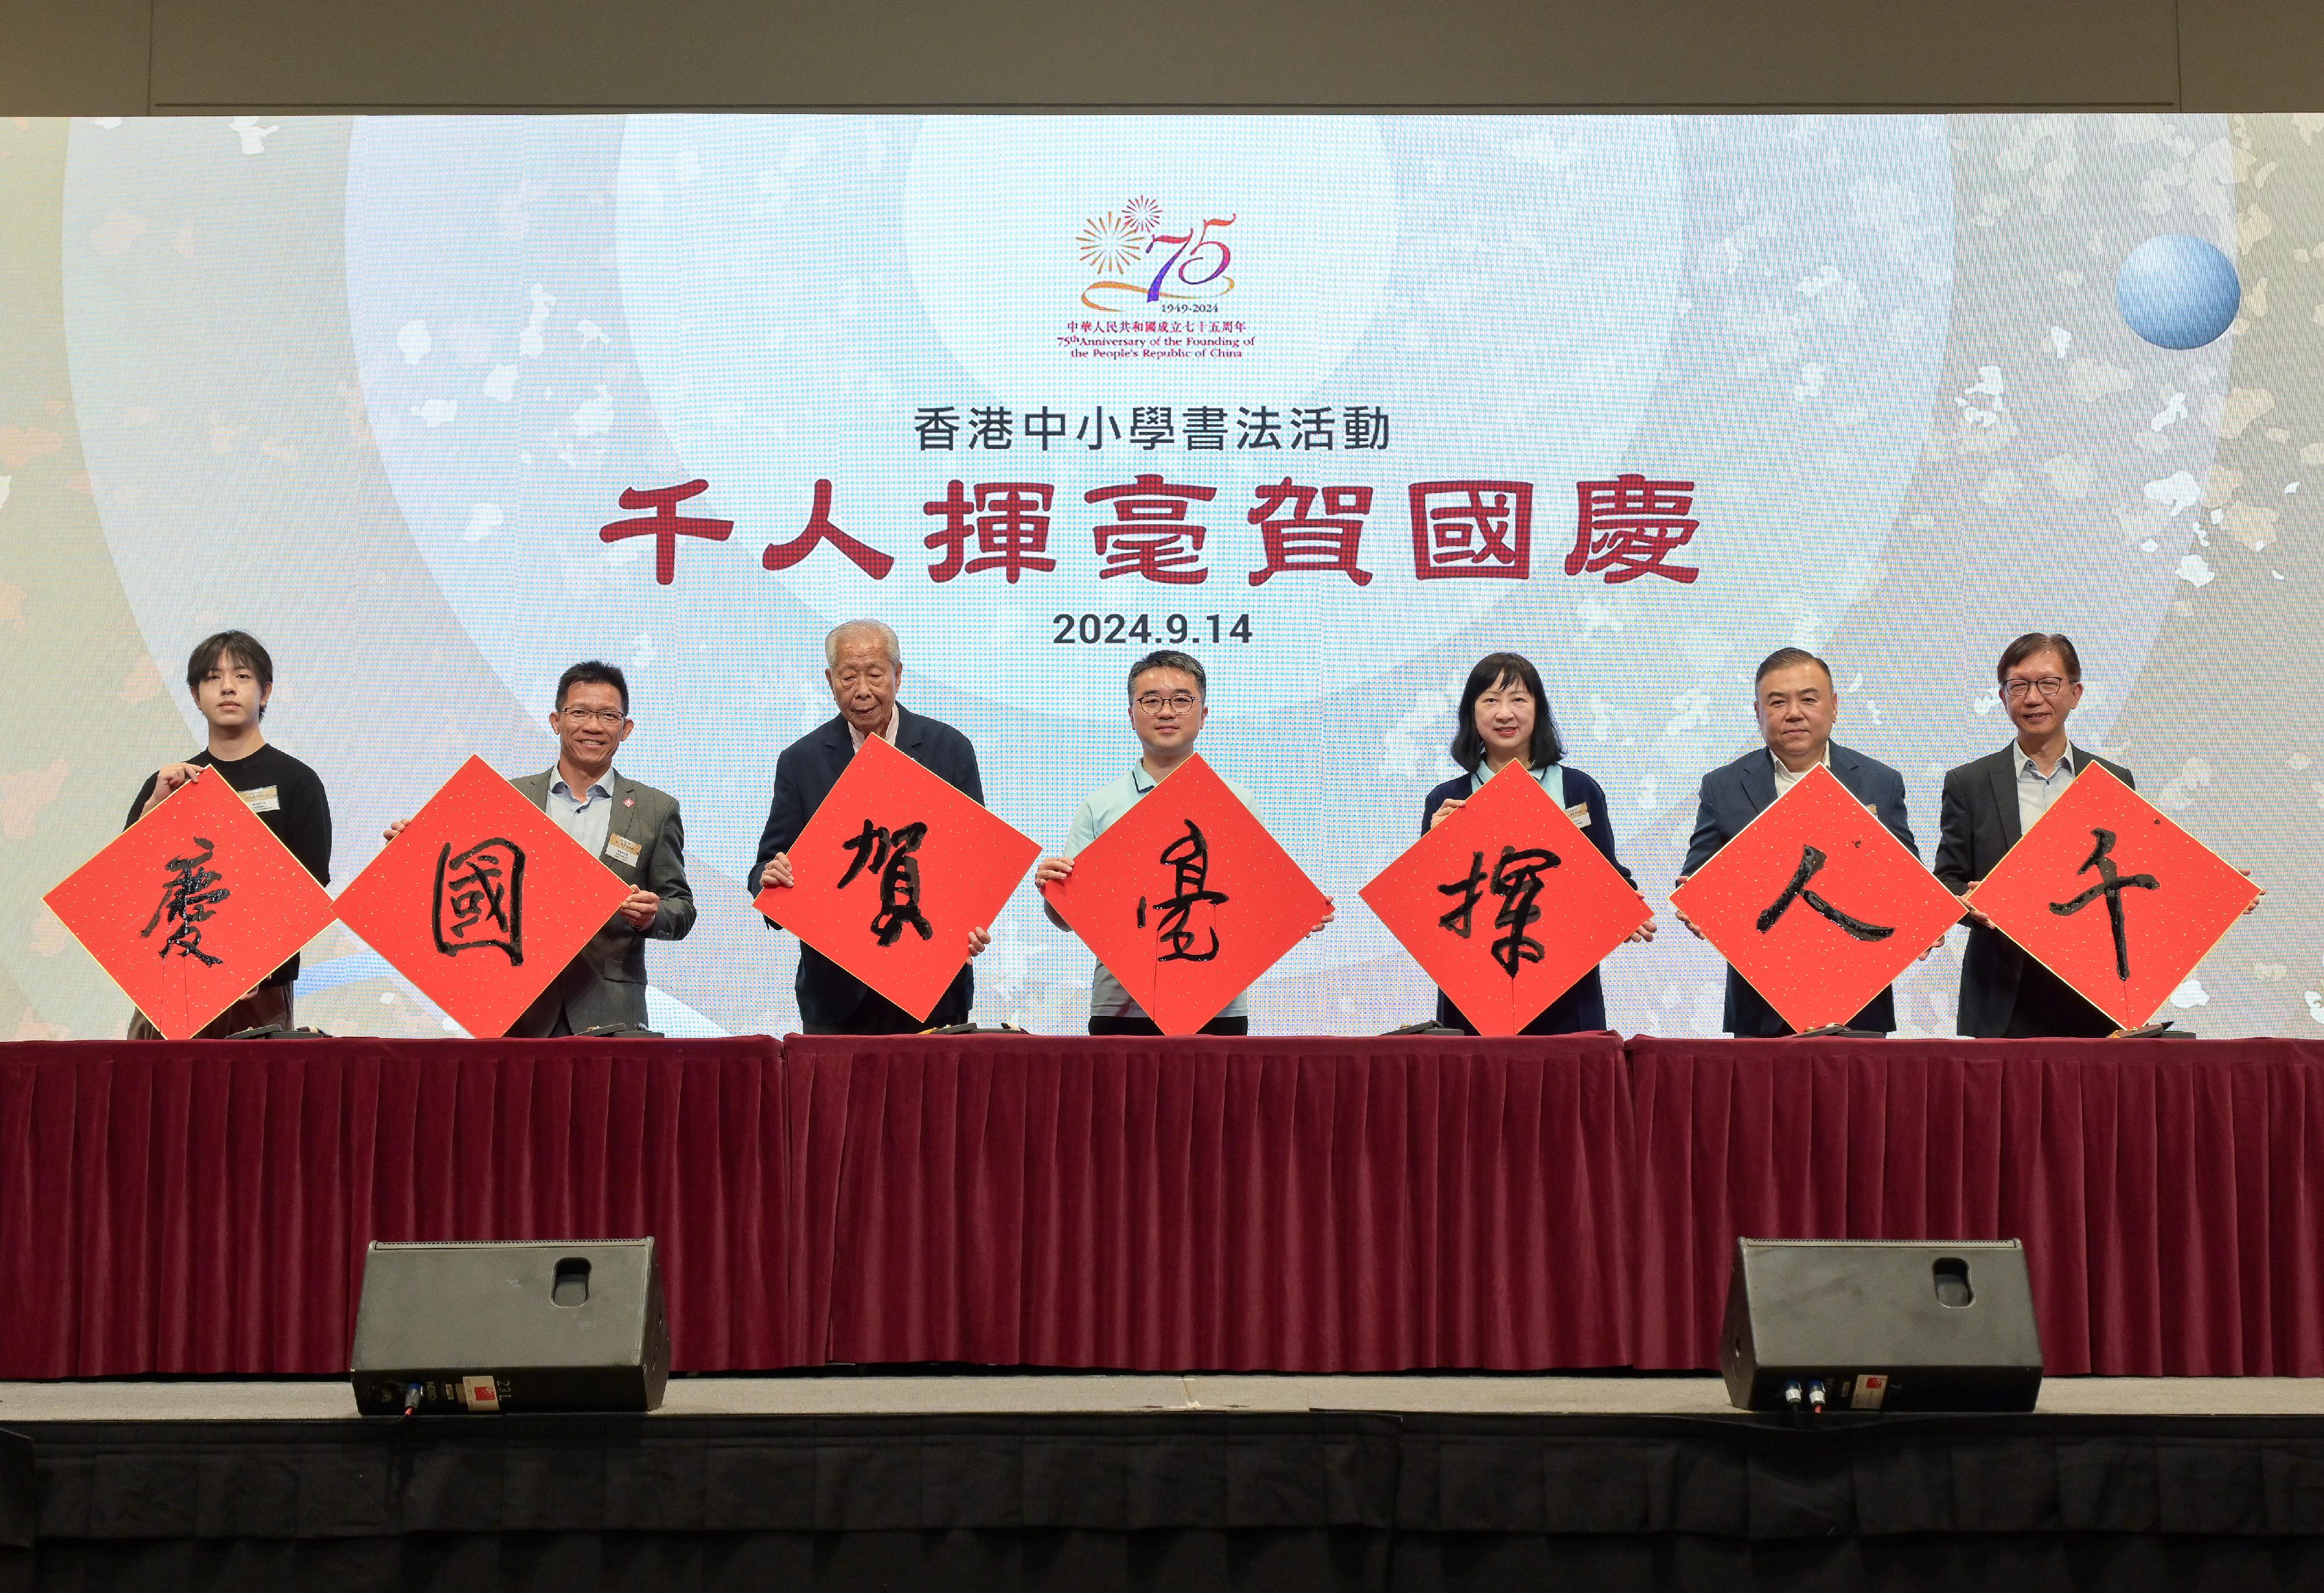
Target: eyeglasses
{"points": [[2050, 686], [594, 716], [1178, 702]]}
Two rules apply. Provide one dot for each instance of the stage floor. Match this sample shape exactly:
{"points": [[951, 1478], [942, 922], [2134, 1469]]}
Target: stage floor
{"points": [[1096, 1394]]}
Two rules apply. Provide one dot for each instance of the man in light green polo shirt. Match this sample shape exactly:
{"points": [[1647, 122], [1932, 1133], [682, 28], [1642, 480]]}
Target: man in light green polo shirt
{"points": [[1168, 702]]}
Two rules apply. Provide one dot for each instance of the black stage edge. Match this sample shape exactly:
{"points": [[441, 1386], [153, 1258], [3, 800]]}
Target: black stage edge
{"points": [[1323, 1501]]}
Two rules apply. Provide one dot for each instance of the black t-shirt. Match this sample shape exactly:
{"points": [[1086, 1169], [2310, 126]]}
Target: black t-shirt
{"points": [[300, 816]]}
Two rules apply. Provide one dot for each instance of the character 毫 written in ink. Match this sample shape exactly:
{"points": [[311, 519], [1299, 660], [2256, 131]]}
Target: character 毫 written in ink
{"points": [[1188, 857], [1169, 702], [480, 899], [892, 857], [189, 899]]}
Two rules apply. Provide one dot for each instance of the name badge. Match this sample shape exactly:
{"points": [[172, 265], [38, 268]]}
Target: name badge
{"points": [[1580, 813], [620, 848], [263, 799]]}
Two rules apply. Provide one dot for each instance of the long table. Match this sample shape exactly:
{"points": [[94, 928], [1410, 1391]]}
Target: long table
{"points": [[1298, 1205]]}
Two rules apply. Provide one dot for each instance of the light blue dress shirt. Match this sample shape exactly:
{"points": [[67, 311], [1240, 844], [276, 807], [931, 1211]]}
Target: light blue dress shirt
{"points": [[587, 818], [2036, 790]]}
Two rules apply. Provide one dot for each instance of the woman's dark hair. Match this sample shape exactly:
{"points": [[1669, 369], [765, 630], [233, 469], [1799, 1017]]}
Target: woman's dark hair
{"points": [[231, 647], [1504, 669]]}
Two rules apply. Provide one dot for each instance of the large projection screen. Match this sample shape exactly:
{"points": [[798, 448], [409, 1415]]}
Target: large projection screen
{"points": [[1338, 404]]}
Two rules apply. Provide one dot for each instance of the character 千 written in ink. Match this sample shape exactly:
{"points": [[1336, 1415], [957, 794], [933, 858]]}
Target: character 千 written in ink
{"points": [[189, 899], [1812, 862], [892, 854], [1516, 879], [1188, 857], [480, 899], [2111, 884]]}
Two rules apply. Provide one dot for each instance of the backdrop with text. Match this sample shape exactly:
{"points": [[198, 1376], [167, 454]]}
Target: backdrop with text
{"points": [[437, 406]]}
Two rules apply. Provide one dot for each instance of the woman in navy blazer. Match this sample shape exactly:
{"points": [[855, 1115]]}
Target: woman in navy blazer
{"points": [[1505, 716]]}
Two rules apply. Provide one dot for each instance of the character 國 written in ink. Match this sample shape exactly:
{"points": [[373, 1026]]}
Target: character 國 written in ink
{"points": [[480, 899]]}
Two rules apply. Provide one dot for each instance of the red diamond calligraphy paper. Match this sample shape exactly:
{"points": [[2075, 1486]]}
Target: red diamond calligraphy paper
{"points": [[1817, 904], [892, 872], [192, 906], [1187, 899], [2113, 897], [1506, 903], [481, 900]]}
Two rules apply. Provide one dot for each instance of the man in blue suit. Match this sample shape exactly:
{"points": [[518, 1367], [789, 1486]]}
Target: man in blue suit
{"points": [[864, 666], [1796, 704]]}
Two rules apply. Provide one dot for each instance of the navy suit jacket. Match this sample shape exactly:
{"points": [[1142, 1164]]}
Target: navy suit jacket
{"points": [[1582, 1007], [1733, 794], [1976, 826], [828, 994]]}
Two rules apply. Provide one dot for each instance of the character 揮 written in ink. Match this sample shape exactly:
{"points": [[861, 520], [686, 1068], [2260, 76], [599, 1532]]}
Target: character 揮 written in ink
{"points": [[1516, 879]]}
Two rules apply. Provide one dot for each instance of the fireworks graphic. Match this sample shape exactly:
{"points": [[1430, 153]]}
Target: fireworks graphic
{"points": [[1144, 215], [1109, 242]]}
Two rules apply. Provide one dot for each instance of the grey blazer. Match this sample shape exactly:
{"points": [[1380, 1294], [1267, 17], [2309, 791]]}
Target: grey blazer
{"points": [[1976, 826], [606, 983]]}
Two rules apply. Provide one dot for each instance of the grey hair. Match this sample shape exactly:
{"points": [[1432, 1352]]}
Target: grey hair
{"points": [[840, 631]]}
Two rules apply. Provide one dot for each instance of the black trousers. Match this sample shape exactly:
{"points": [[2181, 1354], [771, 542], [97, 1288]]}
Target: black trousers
{"points": [[2047, 1007], [1145, 1025]]}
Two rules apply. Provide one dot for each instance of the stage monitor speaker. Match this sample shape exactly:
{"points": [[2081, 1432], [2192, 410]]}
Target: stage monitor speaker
{"points": [[573, 1325], [1815, 1324]]}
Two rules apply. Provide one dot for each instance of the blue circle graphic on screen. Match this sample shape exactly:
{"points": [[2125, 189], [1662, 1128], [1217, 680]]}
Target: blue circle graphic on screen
{"points": [[2178, 291]]}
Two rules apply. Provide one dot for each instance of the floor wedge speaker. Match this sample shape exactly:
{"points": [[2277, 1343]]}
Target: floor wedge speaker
{"points": [[571, 1324], [1818, 1324]]}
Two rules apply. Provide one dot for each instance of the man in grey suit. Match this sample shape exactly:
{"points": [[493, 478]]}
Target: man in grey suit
{"points": [[1988, 805], [633, 829], [1796, 706]]}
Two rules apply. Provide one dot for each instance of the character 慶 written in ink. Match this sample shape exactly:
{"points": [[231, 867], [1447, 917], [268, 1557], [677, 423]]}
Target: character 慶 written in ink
{"points": [[232, 678]]}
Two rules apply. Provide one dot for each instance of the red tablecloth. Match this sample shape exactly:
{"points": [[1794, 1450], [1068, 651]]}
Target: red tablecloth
{"points": [[188, 1208], [1292, 1204], [2170, 1193], [1300, 1205]]}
